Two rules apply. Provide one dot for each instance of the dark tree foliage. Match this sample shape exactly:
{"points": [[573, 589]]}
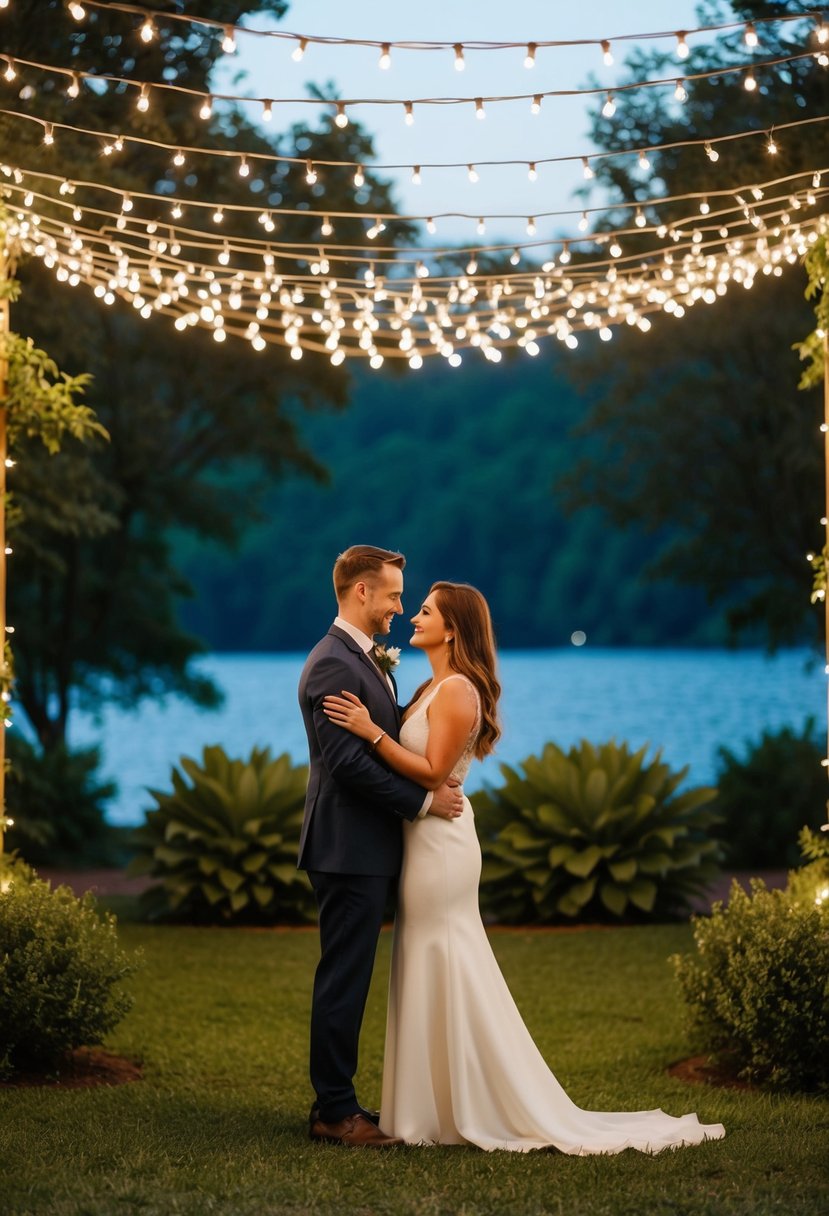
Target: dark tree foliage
{"points": [[700, 432], [199, 430]]}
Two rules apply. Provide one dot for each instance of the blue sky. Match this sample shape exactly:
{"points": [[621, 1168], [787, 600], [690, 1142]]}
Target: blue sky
{"points": [[453, 133]]}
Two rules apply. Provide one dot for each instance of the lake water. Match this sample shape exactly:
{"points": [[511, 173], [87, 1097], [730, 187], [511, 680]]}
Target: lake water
{"points": [[686, 702]]}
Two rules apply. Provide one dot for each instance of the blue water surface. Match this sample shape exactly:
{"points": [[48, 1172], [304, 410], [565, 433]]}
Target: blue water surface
{"points": [[685, 702]]}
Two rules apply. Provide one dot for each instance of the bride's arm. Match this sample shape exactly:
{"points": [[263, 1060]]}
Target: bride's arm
{"points": [[451, 717]]}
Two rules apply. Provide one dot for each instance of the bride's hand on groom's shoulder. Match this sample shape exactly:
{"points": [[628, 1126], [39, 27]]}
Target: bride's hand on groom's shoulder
{"points": [[349, 712]]}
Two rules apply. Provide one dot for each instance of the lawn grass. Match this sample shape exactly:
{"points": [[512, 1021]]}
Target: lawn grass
{"points": [[218, 1125]]}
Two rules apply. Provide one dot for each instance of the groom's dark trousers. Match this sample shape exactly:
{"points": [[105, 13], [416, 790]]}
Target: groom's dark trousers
{"points": [[351, 845]]}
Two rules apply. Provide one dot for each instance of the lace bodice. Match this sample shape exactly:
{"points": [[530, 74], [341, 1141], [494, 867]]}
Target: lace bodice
{"points": [[414, 733]]}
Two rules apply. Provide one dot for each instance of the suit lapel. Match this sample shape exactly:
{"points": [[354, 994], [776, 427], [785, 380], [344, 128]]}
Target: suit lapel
{"points": [[361, 654]]}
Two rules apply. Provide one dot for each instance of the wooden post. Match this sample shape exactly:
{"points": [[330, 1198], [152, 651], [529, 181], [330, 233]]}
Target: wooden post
{"points": [[4, 371]]}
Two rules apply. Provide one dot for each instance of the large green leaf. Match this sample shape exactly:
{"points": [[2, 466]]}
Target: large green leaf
{"points": [[584, 862], [614, 898]]}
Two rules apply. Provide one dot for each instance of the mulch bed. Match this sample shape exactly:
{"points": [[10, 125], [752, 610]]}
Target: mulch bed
{"points": [[82, 1068]]}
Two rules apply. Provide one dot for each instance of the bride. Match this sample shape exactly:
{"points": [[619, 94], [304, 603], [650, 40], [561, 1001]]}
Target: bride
{"points": [[460, 1066]]}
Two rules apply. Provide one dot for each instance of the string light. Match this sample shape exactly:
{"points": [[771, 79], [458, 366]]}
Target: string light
{"points": [[147, 31], [299, 50], [48, 134], [472, 174], [712, 153], [416, 175], [460, 63], [218, 215], [431, 226], [704, 207], [822, 31], [640, 220], [359, 177], [143, 102], [682, 51], [515, 256], [408, 115], [680, 92], [229, 41], [529, 58], [267, 111], [480, 112], [126, 203], [77, 10], [749, 82], [385, 57], [564, 256], [310, 173], [341, 119], [326, 228], [535, 105], [10, 72], [74, 87], [771, 146], [206, 109], [480, 227], [244, 167], [531, 228], [750, 35], [178, 159], [643, 161], [607, 54], [609, 107], [587, 169], [532, 172], [583, 222]]}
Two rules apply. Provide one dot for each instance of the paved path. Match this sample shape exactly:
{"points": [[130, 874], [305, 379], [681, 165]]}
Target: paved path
{"points": [[118, 882]]}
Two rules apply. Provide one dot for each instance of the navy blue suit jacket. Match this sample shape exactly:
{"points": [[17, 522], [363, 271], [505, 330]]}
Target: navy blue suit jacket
{"points": [[355, 805]]}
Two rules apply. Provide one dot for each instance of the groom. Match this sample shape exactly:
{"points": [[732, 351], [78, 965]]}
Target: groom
{"points": [[352, 836]]}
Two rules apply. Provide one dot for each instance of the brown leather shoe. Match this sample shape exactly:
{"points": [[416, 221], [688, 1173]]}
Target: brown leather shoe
{"points": [[355, 1131]]}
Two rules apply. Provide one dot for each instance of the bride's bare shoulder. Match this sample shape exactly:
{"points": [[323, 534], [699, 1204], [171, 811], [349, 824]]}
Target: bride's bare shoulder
{"points": [[457, 696]]}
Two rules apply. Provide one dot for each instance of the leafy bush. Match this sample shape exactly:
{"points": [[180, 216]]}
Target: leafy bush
{"points": [[765, 795], [592, 832], [57, 803], [809, 885], [225, 846], [758, 987], [60, 967]]}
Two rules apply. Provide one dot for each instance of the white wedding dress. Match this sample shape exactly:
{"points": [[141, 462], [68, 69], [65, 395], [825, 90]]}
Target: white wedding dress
{"points": [[460, 1065]]}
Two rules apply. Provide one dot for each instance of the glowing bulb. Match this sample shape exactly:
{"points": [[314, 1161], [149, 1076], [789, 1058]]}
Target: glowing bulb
{"points": [[532, 174], [77, 10], [564, 256], [431, 226], [712, 153], [640, 220], [147, 30], [299, 50], [609, 107], [459, 59], [644, 163], [267, 111], [341, 119], [244, 167], [326, 227], [206, 108], [224, 256], [822, 32], [176, 211], [359, 177], [74, 87], [481, 226], [178, 159], [583, 222], [408, 116], [472, 173], [515, 257], [531, 229], [229, 41], [385, 57], [680, 92], [704, 207], [750, 35], [586, 169], [416, 175], [607, 54], [10, 73], [615, 250], [480, 112], [529, 58], [218, 215], [749, 84], [126, 203], [682, 51], [48, 134], [771, 146]]}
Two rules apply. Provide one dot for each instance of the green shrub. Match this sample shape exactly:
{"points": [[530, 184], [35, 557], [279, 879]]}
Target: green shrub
{"points": [[809, 885], [225, 845], [60, 969], [758, 987], [57, 803], [765, 795], [591, 832]]}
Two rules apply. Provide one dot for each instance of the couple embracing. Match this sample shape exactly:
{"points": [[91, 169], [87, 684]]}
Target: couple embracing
{"points": [[385, 814]]}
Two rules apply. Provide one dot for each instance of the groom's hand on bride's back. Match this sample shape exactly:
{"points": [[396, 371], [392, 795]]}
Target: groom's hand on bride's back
{"points": [[447, 800]]}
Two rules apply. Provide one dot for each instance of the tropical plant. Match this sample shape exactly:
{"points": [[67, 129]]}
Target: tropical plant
{"points": [[765, 795], [593, 832], [758, 984], [60, 972], [809, 884], [225, 845]]}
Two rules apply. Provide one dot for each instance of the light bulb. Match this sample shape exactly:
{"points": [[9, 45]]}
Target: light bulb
{"points": [[341, 119], [615, 250], [472, 173], [10, 72], [822, 32], [224, 256], [267, 111], [143, 102], [515, 257], [310, 173], [176, 211], [609, 107], [299, 50], [529, 58], [481, 226], [749, 84], [74, 87], [644, 163], [229, 40], [244, 167], [178, 159], [206, 108], [359, 177], [126, 203], [77, 10], [680, 92], [564, 256], [385, 57], [704, 207], [48, 134], [583, 222], [682, 51], [218, 215], [607, 54], [416, 175], [771, 146], [431, 227], [408, 116], [326, 227], [586, 169], [532, 173], [640, 220], [750, 35], [531, 229], [480, 112], [712, 153], [147, 30], [459, 59], [535, 105]]}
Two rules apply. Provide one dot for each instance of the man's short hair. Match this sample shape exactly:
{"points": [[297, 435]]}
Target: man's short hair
{"points": [[362, 562]]}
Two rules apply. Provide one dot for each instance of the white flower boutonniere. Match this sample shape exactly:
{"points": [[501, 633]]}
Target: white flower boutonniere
{"points": [[388, 657]]}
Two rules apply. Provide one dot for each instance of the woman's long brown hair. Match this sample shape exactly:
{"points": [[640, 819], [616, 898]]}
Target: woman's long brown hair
{"points": [[472, 652]]}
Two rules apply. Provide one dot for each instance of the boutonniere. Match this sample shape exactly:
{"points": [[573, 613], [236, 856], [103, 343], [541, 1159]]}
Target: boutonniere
{"points": [[387, 657]]}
